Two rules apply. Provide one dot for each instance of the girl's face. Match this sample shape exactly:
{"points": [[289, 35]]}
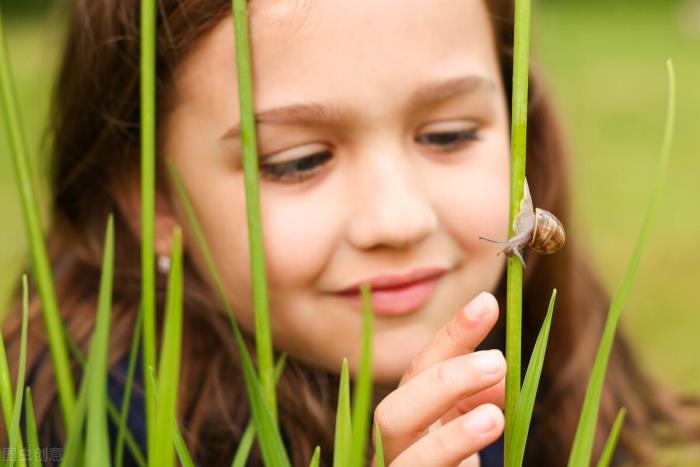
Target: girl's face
{"points": [[383, 140]]}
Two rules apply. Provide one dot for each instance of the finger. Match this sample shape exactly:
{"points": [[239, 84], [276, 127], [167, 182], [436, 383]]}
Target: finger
{"points": [[461, 335], [495, 394], [455, 441], [408, 411], [472, 461]]}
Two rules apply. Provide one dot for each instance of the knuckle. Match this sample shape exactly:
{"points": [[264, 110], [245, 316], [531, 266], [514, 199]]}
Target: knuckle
{"points": [[444, 376], [442, 441]]}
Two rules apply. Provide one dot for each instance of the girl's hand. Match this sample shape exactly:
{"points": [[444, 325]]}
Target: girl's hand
{"points": [[447, 382]]}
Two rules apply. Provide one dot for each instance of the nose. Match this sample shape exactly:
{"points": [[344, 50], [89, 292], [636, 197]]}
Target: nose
{"points": [[392, 208]]}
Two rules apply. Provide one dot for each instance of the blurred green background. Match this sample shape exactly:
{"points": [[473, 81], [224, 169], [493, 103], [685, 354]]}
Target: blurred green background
{"points": [[606, 64]]}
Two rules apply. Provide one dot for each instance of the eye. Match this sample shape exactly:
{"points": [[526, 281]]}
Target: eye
{"points": [[295, 170], [448, 140]]}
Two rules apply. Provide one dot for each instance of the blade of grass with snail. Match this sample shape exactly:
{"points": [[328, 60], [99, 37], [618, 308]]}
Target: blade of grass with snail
{"points": [[246, 442], [526, 401], [122, 428], [15, 437], [96, 373], [245, 354], [362, 394], [32, 436], [581, 450], [40, 260], [263, 334], [343, 423], [148, 155], [610, 444], [521, 55], [169, 365]]}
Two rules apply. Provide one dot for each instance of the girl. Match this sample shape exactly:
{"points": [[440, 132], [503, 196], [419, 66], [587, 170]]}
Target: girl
{"points": [[383, 132]]}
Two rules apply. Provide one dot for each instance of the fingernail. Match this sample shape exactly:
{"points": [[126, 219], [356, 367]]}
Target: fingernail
{"points": [[480, 420], [478, 307], [490, 361]]}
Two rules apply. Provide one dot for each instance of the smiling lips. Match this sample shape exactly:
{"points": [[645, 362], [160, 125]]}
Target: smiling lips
{"points": [[397, 294]]}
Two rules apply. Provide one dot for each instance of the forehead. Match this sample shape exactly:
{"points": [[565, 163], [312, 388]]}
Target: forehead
{"points": [[359, 52]]}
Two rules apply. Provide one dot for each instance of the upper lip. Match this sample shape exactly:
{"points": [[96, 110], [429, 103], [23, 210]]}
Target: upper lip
{"points": [[394, 280]]}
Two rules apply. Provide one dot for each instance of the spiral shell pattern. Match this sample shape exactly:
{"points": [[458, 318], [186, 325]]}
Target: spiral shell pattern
{"points": [[548, 235]]}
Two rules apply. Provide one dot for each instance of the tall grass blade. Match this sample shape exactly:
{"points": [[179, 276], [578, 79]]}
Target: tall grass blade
{"points": [[362, 396], [122, 427], [73, 447], [148, 151], [97, 444], [15, 438], [246, 442], [609, 449], [111, 408], [40, 260], [263, 334], [169, 364], [316, 458], [343, 424], [32, 436], [521, 57], [250, 382], [581, 450], [526, 401], [378, 448], [183, 454]]}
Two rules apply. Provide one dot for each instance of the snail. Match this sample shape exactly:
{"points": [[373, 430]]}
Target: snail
{"points": [[538, 228]]}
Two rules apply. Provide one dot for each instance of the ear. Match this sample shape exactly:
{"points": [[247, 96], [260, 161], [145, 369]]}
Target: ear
{"points": [[128, 198]]}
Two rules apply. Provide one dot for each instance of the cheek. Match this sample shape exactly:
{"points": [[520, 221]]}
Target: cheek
{"points": [[301, 231]]}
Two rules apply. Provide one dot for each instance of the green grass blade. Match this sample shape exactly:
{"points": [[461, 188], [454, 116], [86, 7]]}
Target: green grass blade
{"points": [[263, 334], [73, 447], [126, 398], [581, 450], [316, 458], [609, 449], [379, 449], [32, 436], [134, 448], [15, 438], [183, 454], [246, 443], [249, 381], [343, 423], [362, 396], [169, 364], [97, 443], [526, 401], [148, 151], [40, 260], [521, 57]]}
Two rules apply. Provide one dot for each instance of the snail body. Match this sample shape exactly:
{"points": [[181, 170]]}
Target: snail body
{"points": [[537, 228]]}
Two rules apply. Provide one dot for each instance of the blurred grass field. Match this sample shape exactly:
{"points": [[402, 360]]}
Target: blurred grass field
{"points": [[606, 64]]}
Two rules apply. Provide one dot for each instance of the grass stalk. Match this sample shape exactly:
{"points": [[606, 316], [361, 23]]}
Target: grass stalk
{"points": [[15, 437], [96, 374], [32, 436], [169, 364], [343, 423], [40, 260], [263, 335], [148, 150], [126, 398], [610, 444], [582, 448], [521, 57]]}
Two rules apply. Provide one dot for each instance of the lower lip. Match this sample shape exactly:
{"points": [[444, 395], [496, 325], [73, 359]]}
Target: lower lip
{"points": [[398, 301]]}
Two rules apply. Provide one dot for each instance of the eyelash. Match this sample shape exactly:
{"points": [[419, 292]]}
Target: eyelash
{"points": [[289, 170]]}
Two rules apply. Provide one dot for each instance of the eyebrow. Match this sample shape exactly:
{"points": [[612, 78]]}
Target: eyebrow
{"points": [[310, 113]]}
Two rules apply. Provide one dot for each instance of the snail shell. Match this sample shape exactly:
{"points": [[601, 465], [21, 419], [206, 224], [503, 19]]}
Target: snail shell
{"points": [[535, 227], [548, 234]]}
